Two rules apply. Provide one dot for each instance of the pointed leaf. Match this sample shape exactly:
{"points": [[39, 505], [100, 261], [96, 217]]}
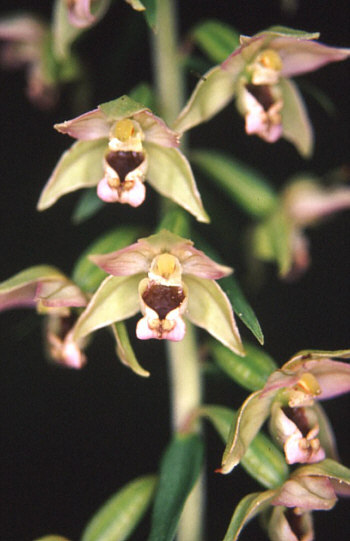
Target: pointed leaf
{"points": [[79, 167], [296, 124], [151, 13], [170, 174], [118, 517], [209, 308], [251, 371], [246, 510], [263, 460], [180, 468], [251, 416], [213, 92], [216, 39], [88, 275], [242, 184], [125, 351], [116, 299], [88, 205]]}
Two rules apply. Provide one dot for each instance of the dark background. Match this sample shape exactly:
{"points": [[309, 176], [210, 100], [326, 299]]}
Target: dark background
{"points": [[70, 439]]}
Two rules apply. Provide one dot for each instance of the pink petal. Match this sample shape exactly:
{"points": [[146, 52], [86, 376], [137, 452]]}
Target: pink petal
{"points": [[106, 192], [301, 56], [308, 493], [133, 259], [91, 125], [134, 197], [80, 15], [21, 297], [195, 262], [155, 130], [22, 28], [308, 203]]}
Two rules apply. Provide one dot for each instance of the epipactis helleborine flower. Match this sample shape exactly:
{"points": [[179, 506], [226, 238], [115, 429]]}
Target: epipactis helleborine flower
{"points": [[53, 295], [25, 42], [288, 508], [120, 144], [166, 278], [258, 75], [297, 422], [85, 13]]}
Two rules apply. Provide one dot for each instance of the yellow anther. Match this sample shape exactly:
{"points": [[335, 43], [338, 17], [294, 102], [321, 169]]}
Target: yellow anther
{"points": [[309, 384], [124, 129], [270, 59], [165, 265]]}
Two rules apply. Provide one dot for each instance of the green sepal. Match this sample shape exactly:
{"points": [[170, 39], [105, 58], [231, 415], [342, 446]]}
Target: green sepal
{"points": [[250, 418], [296, 124], [170, 174], [117, 518], [250, 371], [122, 107], [263, 460], [88, 275], [125, 351], [233, 291], [209, 308], [81, 166], [180, 468], [326, 468], [213, 92], [32, 275], [246, 510], [88, 205], [116, 299], [272, 242], [239, 182], [286, 32], [216, 39]]}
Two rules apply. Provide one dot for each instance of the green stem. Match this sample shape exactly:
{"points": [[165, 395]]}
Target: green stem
{"points": [[185, 380]]}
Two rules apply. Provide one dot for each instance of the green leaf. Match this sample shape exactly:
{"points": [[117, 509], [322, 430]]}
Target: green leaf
{"points": [[273, 242], [296, 124], [118, 517], [263, 460], [81, 166], [246, 510], [179, 470], [209, 308], [250, 371], [88, 205], [251, 416], [125, 351], [88, 275], [286, 32], [122, 107], [170, 174], [143, 93], [151, 13], [63, 32], [216, 39], [241, 183], [213, 92], [116, 299]]}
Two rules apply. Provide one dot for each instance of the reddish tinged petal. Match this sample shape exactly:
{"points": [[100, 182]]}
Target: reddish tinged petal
{"points": [[144, 332], [86, 127], [309, 493], [155, 129], [195, 262], [130, 260], [22, 28], [302, 56], [80, 15], [56, 294], [21, 297]]}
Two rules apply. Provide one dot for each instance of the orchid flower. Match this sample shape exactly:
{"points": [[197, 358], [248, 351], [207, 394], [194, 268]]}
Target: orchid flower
{"points": [[54, 296], [288, 508], [289, 398], [258, 75], [303, 203], [120, 145], [25, 40], [168, 279], [85, 13]]}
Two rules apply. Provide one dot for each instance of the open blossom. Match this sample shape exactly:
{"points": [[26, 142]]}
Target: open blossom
{"points": [[288, 508], [120, 145], [54, 296], [290, 398], [24, 44], [168, 279], [258, 75]]}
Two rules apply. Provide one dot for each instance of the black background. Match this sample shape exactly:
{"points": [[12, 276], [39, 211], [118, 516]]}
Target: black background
{"points": [[70, 439]]}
